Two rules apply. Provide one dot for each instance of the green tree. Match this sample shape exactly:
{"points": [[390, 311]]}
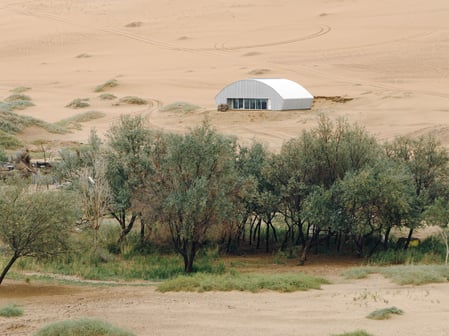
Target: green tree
{"points": [[195, 188], [438, 214], [128, 165], [34, 224], [427, 161], [85, 170]]}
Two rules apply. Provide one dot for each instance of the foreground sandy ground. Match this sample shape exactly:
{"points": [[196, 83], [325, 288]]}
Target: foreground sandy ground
{"points": [[339, 307]]}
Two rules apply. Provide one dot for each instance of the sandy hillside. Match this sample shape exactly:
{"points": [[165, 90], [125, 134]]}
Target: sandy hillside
{"points": [[390, 56]]}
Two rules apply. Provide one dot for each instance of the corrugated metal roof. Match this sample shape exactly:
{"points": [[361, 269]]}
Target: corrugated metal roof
{"points": [[286, 88]]}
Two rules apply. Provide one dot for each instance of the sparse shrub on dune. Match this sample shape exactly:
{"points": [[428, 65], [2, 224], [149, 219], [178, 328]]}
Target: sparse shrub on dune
{"points": [[9, 141], [107, 96], [74, 121], [15, 102], [78, 103], [384, 314], [180, 106], [133, 100], [82, 327], [16, 97], [20, 89], [107, 85], [11, 310]]}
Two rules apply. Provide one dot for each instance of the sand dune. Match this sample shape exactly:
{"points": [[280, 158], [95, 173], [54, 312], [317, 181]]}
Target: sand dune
{"points": [[391, 57]]}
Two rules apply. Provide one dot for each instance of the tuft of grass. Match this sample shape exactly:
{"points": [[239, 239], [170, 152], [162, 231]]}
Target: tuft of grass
{"points": [[201, 282], [107, 96], [17, 97], [133, 100], [74, 121], [417, 274], [82, 327], [78, 103], [9, 141], [355, 333], [20, 89], [384, 314], [181, 107], [11, 310], [403, 274], [107, 85]]}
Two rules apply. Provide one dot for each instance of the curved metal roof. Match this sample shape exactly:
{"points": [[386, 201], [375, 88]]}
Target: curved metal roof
{"points": [[286, 88]]}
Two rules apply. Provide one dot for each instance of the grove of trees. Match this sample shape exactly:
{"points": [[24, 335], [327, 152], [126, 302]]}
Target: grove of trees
{"points": [[334, 184]]}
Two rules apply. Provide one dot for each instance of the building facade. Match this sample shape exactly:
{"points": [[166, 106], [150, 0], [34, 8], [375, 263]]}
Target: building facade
{"points": [[265, 94]]}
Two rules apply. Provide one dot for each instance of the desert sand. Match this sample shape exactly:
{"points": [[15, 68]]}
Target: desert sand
{"points": [[391, 57]]}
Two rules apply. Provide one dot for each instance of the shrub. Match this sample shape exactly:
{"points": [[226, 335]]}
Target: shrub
{"points": [[11, 310], [3, 155], [107, 96], [384, 314], [355, 333], [201, 282], [82, 327], [17, 97], [9, 141], [78, 103], [20, 89], [133, 100], [180, 107], [107, 85], [74, 121]]}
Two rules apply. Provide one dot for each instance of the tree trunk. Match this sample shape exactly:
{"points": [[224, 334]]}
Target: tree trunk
{"points": [[410, 234], [189, 256], [126, 229], [142, 232], [8, 266], [387, 238]]}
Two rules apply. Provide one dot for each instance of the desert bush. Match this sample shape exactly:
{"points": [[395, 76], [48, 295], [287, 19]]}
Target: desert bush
{"points": [[107, 85], [355, 333], [181, 107], [82, 327], [74, 121], [107, 96], [403, 274], [384, 314], [11, 310], [17, 97], [20, 89], [9, 141], [133, 100], [78, 103], [3, 155], [201, 282]]}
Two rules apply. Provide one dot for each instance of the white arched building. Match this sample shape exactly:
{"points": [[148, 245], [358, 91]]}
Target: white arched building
{"points": [[265, 94]]}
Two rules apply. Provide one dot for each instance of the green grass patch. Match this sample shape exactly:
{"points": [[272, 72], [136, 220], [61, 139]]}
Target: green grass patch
{"points": [[355, 333], [179, 107], [11, 310], [384, 314], [78, 103], [107, 96], [201, 282], [133, 100], [82, 327], [75, 121], [403, 274], [106, 85], [9, 141], [12, 123], [20, 89]]}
